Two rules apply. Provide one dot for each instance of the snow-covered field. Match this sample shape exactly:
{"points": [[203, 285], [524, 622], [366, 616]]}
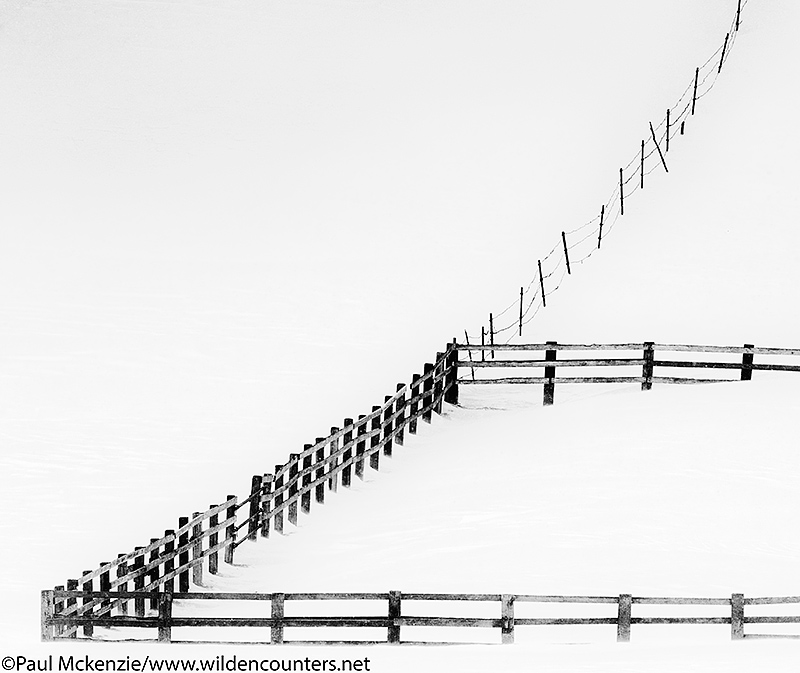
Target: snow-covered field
{"points": [[225, 228]]}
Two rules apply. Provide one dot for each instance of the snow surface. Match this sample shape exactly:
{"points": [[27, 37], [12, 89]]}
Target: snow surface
{"points": [[227, 227]]}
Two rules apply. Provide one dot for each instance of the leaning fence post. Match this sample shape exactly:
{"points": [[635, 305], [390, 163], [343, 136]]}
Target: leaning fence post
{"points": [[319, 474], [88, 585], [169, 562], [254, 514], [213, 541], [624, 618], [347, 455], [333, 450], [394, 616], [361, 445], [197, 549], [400, 421], [414, 404], [375, 440], [153, 573], [388, 426], [294, 469], [266, 505], [747, 364], [138, 582], [647, 367], [279, 499], [451, 378], [427, 393], [305, 497], [105, 584], [47, 613], [230, 531], [550, 375], [72, 585], [737, 616], [122, 570], [276, 630], [164, 617], [183, 555], [507, 621], [439, 372]]}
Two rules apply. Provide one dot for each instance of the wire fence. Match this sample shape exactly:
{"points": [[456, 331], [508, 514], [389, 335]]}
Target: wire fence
{"points": [[577, 245]]}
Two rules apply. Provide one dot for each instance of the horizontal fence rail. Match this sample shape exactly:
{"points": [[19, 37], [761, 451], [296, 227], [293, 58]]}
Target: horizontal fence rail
{"points": [[483, 361], [398, 612]]}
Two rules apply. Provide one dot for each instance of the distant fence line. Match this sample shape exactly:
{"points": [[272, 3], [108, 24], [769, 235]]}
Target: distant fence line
{"points": [[58, 624], [579, 244]]}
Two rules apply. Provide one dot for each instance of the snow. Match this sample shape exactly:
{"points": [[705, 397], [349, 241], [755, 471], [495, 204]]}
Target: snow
{"points": [[227, 228]]}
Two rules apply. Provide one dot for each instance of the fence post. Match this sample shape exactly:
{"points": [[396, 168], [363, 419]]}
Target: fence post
{"points": [[507, 614], [88, 585], [737, 616], [254, 514], [360, 446], [412, 422], [394, 615], [164, 617], [122, 570], [276, 631], [153, 573], [347, 445], [197, 550], [427, 393], [438, 382], [169, 560], [624, 618], [279, 499], [138, 582], [388, 426], [747, 364], [213, 541], [230, 531], [400, 421], [451, 380], [319, 458], [550, 375], [375, 427], [266, 505], [333, 449], [47, 613], [58, 608], [647, 367], [305, 497], [105, 584], [294, 470], [72, 585], [183, 555]]}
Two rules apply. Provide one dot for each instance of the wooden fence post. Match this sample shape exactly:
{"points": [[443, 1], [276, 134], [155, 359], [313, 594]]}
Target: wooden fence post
{"points": [[333, 449], [153, 574], [647, 367], [58, 608], [737, 616], [47, 613], [138, 582], [388, 426], [507, 615], [169, 560], [400, 420], [72, 585], [438, 382], [266, 505], [414, 403], [550, 375], [361, 446], [183, 555], [88, 585], [747, 364], [624, 618], [105, 584], [375, 440], [279, 481], [294, 469], [213, 541], [451, 379], [427, 393], [197, 550], [230, 531], [305, 497], [164, 617], [394, 614], [319, 458], [254, 513], [347, 455], [122, 570], [276, 631]]}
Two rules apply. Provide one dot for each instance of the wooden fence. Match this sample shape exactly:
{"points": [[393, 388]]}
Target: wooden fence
{"points": [[58, 624], [482, 358], [194, 547]]}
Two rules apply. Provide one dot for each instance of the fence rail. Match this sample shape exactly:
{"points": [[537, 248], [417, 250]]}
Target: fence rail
{"points": [[483, 359], [57, 624]]}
